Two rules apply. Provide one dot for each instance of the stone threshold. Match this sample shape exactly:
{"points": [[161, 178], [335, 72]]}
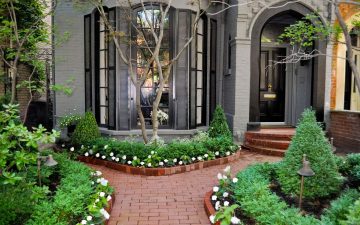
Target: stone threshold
{"points": [[160, 171]]}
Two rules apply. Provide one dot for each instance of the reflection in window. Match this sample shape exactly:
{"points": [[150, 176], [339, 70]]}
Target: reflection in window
{"points": [[103, 74], [145, 19]]}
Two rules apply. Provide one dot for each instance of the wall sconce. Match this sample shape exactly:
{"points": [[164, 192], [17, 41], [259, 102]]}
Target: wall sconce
{"points": [[48, 161], [305, 171]]}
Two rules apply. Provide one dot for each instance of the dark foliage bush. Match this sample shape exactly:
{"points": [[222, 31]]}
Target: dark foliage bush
{"points": [[310, 140], [218, 126], [87, 129]]}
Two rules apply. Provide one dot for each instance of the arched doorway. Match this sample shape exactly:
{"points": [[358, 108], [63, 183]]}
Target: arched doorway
{"points": [[281, 91]]}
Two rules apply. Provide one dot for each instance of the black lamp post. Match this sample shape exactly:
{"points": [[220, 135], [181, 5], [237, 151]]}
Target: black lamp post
{"points": [[48, 161], [305, 171]]}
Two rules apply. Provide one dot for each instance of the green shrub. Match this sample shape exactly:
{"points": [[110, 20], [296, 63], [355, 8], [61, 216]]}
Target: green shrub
{"points": [[353, 217], [310, 140], [218, 126], [340, 207], [253, 195], [87, 129]]}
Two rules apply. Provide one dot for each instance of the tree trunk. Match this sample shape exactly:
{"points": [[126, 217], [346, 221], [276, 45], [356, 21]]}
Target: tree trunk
{"points": [[156, 103], [350, 55], [140, 114], [13, 83]]}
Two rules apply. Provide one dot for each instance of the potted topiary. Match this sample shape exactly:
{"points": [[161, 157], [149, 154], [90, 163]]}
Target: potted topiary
{"points": [[218, 126]]}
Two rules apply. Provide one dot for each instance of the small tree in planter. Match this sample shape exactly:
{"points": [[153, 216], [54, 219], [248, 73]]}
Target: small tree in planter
{"points": [[86, 130], [310, 140], [219, 126]]}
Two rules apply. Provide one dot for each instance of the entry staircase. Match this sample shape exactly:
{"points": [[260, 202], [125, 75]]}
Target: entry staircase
{"points": [[269, 141]]}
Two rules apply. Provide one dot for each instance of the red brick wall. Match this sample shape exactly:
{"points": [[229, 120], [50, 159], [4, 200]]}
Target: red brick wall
{"points": [[345, 129]]}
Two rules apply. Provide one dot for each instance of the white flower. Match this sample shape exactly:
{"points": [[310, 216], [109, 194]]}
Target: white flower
{"points": [[193, 159], [98, 180], [98, 173], [97, 200], [117, 159], [105, 213], [174, 160], [63, 145], [129, 162], [72, 149], [234, 180], [92, 182], [219, 176], [91, 151], [235, 220], [206, 155], [113, 158], [215, 189], [97, 155], [226, 203], [161, 163], [181, 162], [214, 197], [217, 205], [134, 158], [103, 157], [83, 222], [82, 146], [149, 164], [227, 169], [111, 153], [103, 182], [216, 153], [142, 163], [165, 160], [212, 219], [149, 156], [102, 194], [225, 194], [89, 218], [224, 177], [105, 147], [227, 153], [108, 197], [124, 157], [199, 158], [86, 154], [152, 152]]}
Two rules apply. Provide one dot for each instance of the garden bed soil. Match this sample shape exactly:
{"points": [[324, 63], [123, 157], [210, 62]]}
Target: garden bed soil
{"points": [[162, 171]]}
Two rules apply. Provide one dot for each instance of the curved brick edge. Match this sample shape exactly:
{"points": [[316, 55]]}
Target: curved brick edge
{"points": [[160, 171], [209, 208], [110, 207]]}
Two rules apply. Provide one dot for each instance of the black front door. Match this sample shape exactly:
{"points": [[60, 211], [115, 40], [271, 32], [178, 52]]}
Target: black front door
{"points": [[272, 85]]}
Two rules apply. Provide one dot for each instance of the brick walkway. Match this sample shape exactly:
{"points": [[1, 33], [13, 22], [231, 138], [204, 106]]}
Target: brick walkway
{"points": [[167, 200]]}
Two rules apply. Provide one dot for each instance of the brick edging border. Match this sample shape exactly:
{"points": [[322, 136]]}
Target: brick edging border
{"points": [[160, 171], [110, 207], [209, 209]]}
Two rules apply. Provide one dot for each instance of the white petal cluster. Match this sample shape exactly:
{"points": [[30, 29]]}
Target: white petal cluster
{"points": [[215, 189], [235, 220], [105, 213]]}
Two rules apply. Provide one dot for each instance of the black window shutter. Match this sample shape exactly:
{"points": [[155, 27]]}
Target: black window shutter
{"points": [[87, 58]]}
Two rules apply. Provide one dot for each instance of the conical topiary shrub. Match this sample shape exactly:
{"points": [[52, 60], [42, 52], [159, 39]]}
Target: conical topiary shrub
{"points": [[218, 126], [310, 140], [86, 130]]}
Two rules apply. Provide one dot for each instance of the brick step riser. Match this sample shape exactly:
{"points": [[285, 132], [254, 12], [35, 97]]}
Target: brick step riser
{"points": [[265, 151], [283, 145], [277, 137]]}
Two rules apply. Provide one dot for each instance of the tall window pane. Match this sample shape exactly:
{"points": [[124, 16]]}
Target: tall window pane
{"points": [[103, 87], [200, 74], [151, 17]]}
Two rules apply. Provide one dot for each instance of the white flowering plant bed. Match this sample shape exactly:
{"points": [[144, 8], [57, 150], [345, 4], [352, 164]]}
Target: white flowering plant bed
{"points": [[158, 155]]}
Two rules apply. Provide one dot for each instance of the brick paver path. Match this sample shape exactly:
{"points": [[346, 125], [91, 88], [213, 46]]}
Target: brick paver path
{"points": [[167, 200]]}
